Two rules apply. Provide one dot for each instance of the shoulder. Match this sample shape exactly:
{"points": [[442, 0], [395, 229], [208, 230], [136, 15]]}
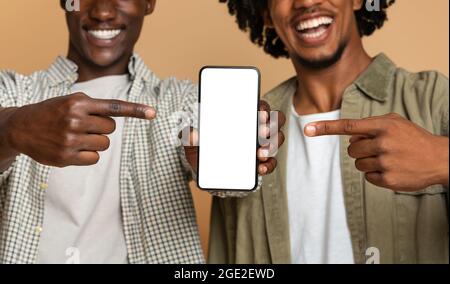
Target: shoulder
{"points": [[422, 80], [12, 79], [424, 97], [160, 87], [425, 85], [9, 79], [16, 88], [172, 85]]}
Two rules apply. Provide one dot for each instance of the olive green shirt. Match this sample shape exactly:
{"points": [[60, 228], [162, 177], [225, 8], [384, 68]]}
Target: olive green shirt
{"points": [[392, 227]]}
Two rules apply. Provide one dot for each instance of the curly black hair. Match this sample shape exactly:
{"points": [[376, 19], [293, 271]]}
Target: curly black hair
{"points": [[249, 17]]}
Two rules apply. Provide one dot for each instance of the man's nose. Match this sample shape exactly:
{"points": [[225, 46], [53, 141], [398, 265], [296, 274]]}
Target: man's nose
{"points": [[307, 4], [103, 10]]}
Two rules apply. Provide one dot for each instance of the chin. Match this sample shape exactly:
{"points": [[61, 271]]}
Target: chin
{"points": [[320, 59], [316, 54], [105, 59]]}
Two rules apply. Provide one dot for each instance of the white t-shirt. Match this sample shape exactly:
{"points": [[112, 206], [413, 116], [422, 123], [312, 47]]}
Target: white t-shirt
{"points": [[318, 226], [82, 219]]}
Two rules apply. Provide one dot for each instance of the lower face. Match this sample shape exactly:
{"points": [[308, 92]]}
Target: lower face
{"points": [[104, 43], [317, 35]]}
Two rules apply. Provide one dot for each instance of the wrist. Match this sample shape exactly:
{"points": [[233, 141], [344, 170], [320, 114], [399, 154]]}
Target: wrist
{"points": [[5, 141]]}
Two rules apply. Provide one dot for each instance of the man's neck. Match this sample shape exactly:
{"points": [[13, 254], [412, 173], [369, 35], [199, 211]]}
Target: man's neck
{"points": [[322, 90], [89, 71]]}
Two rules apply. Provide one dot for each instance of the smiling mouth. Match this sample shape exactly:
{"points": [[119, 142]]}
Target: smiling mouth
{"points": [[314, 28], [104, 34]]}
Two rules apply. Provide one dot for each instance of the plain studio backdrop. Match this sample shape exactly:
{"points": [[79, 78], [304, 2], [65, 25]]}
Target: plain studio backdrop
{"points": [[184, 35]]}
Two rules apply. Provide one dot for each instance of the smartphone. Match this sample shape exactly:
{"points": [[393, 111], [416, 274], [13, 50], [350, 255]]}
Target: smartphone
{"points": [[228, 128]]}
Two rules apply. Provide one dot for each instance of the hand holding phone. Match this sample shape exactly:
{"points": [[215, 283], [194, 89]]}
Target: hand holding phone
{"points": [[269, 125]]}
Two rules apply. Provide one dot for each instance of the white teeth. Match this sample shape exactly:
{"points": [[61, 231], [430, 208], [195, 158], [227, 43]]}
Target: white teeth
{"points": [[314, 23], [104, 34], [314, 34]]}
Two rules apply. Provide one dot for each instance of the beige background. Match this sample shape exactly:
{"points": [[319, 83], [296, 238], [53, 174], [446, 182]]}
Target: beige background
{"points": [[183, 35]]}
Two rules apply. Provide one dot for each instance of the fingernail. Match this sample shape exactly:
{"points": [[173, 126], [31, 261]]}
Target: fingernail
{"points": [[263, 170], [310, 130], [150, 113]]}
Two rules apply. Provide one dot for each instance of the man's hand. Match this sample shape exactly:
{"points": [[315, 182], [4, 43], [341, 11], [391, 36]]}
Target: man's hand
{"points": [[69, 130], [269, 131], [392, 152]]}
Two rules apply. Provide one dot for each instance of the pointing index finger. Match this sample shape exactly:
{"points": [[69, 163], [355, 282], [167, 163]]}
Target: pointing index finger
{"points": [[342, 127], [117, 108]]}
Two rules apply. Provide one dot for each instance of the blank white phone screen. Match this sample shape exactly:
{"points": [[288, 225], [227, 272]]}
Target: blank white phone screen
{"points": [[228, 128]]}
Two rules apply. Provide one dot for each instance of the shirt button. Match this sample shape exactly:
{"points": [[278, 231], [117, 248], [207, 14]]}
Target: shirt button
{"points": [[38, 230], [43, 186]]}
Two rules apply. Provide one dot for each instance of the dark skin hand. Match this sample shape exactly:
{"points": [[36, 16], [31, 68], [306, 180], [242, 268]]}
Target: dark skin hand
{"points": [[391, 151], [266, 152], [71, 130], [67, 131]]}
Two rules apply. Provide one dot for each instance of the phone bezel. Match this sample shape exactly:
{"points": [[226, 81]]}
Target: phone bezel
{"points": [[257, 125]]}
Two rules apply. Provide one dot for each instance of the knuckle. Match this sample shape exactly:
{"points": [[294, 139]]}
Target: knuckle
{"points": [[62, 159], [389, 180], [75, 101], [382, 146], [349, 126], [115, 107], [69, 141], [73, 123], [379, 123], [327, 128], [393, 123], [384, 163]]}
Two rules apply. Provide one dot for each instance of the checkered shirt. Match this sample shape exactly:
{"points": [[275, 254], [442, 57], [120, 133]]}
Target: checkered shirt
{"points": [[157, 207]]}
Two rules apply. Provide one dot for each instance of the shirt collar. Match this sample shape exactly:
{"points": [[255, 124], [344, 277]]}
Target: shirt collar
{"points": [[376, 80], [65, 71]]}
